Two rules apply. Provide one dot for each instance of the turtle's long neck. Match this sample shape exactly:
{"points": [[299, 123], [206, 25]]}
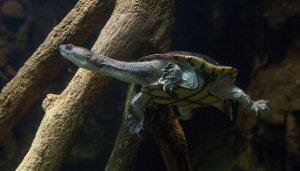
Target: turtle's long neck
{"points": [[133, 72]]}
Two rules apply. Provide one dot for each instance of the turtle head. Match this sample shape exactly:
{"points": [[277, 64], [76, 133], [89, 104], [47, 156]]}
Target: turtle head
{"points": [[78, 55]]}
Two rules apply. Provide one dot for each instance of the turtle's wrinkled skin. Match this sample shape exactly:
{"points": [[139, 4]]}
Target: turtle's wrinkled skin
{"points": [[182, 79]]}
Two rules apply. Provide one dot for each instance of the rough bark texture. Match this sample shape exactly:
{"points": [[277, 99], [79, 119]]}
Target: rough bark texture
{"points": [[45, 64], [132, 24], [170, 138]]}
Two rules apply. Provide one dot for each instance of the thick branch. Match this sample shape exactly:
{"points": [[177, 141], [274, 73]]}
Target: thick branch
{"points": [[45, 64], [133, 23], [170, 138]]}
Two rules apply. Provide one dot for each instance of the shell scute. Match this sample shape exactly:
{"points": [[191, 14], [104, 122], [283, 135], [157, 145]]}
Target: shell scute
{"points": [[201, 63]]}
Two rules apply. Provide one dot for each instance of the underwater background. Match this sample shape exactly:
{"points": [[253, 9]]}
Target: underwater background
{"points": [[260, 38]]}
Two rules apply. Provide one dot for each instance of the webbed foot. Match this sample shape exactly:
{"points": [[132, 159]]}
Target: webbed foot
{"points": [[171, 75], [225, 89], [259, 105], [134, 125], [137, 107]]}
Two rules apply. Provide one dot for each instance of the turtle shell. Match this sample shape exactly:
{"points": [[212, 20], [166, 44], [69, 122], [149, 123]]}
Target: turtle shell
{"points": [[202, 63], [207, 70]]}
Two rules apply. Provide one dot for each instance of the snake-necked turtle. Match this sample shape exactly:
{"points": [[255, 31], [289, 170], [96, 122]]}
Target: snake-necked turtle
{"points": [[183, 79]]}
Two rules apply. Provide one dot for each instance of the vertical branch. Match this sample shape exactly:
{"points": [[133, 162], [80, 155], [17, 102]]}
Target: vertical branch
{"points": [[170, 138]]}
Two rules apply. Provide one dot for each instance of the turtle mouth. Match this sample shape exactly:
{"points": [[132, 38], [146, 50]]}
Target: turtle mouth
{"points": [[68, 52], [81, 60], [64, 50]]}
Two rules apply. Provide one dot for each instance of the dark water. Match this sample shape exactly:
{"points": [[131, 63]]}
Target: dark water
{"points": [[235, 33]]}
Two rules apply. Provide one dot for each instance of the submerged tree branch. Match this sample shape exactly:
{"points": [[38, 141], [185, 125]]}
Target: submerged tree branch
{"points": [[131, 26], [45, 64], [170, 138]]}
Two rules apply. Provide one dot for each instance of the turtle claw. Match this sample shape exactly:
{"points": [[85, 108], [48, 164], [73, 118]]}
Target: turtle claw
{"points": [[172, 74], [259, 105], [164, 87], [134, 125], [168, 88]]}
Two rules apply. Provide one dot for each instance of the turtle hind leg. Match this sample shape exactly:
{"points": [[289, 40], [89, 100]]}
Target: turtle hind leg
{"points": [[259, 105], [225, 89], [136, 117]]}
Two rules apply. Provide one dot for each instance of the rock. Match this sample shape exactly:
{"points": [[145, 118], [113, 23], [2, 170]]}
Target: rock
{"points": [[13, 9]]}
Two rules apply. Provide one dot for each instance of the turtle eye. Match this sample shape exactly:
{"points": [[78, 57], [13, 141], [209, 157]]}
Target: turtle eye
{"points": [[68, 47]]}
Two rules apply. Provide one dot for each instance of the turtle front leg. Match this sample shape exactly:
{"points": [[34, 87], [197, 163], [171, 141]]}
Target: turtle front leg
{"points": [[137, 108], [224, 88], [171, 75]]}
